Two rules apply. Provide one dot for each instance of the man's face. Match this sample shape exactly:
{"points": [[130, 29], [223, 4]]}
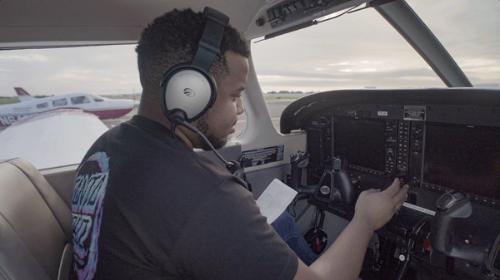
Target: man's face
{"points": [[218, 123]]}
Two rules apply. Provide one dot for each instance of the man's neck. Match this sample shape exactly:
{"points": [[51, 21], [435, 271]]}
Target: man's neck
{"points": [[151, 110]]}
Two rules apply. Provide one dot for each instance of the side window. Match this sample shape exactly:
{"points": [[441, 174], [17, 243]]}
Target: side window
{"points": [[108, 72], [43, 105], [60, 102], [80, 99]]}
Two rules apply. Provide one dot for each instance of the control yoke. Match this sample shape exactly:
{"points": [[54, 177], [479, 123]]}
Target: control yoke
{"points": [[335, 184], [452, 206]]}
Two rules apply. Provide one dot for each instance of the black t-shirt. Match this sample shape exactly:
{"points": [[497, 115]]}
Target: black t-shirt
{"points": [[145, 206]]}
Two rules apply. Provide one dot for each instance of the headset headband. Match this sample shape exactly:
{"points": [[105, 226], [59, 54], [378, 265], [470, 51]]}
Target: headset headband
{"points": [[209, 45]]}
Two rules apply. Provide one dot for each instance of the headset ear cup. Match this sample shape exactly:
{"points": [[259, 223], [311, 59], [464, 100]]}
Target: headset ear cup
{"points": [[189, 90]]}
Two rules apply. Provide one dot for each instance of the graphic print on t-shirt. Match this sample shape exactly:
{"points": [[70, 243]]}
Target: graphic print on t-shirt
{"points": [[87, 207]]}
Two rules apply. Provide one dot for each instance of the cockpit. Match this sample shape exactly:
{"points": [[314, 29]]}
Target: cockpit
{"points": [[327, 116], [361, 140]]}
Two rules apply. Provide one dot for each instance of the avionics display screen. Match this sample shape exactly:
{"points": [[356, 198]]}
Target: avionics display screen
{"points": [[360, 142], [463, 158]]}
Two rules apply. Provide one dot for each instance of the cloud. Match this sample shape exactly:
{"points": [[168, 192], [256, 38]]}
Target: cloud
{"points": [[292, 77], [359, 70], [313, 81], [79, 76], [25, 58], [341, 64], [360, 75], [98, 70], [481, 65]]}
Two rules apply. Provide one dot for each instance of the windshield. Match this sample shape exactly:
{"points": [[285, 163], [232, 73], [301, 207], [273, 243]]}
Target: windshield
{"points": [[469, 30], [358, 50], [362, 51]]}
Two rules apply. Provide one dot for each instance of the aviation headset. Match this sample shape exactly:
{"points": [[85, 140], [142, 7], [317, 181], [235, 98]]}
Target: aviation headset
{"points": [[187, 89]]}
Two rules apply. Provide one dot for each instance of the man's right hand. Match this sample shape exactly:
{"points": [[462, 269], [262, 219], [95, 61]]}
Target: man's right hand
{"points": [[375, 207], [344, 258]]}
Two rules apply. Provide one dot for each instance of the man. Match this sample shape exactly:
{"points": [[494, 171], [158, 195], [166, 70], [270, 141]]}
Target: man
{"points": [[146, 206]]}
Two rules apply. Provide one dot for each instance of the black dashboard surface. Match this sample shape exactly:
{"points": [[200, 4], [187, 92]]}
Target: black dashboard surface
{"points": [[298, 113]]}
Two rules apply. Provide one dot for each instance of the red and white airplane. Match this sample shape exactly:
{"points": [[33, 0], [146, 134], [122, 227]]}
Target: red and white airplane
{"points": [[104, 108]]}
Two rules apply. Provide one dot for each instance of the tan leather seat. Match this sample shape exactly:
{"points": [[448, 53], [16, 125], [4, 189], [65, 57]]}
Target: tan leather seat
{"points": [[35, 225]]}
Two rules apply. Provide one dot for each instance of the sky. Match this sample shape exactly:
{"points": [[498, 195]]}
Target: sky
{"points": [[357, 50]]}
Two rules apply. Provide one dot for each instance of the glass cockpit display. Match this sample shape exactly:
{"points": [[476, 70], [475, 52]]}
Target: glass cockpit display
{"points": [[464, 158], [360, 142]]}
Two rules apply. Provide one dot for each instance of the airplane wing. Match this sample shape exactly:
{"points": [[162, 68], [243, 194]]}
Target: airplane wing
{"points": [[53, 139]]}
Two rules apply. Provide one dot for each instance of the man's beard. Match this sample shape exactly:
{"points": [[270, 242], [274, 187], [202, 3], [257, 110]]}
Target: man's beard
{"points": [[202, 125]]}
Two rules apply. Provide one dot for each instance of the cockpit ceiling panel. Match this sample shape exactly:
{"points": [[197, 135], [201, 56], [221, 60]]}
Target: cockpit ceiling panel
{"points": [[33, 23]]}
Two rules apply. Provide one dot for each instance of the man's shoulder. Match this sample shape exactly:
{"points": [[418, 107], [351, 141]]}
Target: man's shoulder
{"points": [[139, 159], [128, 139]]}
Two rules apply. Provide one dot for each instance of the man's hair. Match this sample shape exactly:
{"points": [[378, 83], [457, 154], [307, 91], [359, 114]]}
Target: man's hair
{"points": [[172, 39]]}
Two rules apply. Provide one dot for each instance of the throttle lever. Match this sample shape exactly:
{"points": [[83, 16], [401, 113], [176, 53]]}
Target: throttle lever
{"points": [[298, 162]]}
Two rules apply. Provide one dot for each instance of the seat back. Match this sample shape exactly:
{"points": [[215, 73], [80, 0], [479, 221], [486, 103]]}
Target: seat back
{"points": [[35, 225]]}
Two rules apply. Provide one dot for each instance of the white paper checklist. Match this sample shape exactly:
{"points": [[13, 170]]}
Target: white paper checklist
{"points": [[274, 200]]}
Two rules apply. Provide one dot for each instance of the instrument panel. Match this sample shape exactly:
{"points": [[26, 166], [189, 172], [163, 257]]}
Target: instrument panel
{"points": [[436, 146], [432, 155], [444, 143]]}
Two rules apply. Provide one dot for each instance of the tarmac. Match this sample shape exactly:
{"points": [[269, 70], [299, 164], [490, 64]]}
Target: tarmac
{"points": [[275, 108]]}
